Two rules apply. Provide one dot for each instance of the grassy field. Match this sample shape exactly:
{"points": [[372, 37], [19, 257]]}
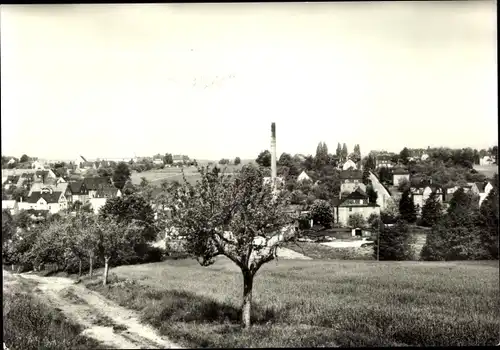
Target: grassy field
{"points": [[316, 303], [487, 170], [30, 324]]}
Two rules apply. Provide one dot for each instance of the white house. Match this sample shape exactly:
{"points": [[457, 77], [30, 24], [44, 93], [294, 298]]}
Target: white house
{"points": [[46, 199], [348, 165], [303, 177], [399, 175], [421, 194], [484, 189], [486, 160], [38, 165], [424, 157]]}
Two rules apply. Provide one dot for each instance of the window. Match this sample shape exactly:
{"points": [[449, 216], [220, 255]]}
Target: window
{"points": [[350, 209]]}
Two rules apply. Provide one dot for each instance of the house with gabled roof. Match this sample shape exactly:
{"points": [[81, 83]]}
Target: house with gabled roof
{"points": [[104, 193], [355, 202], [384, 160], [400, 174], [46, 199], [94, 183], [349, 164], [350, 180], [421, 194], [77, 192], [303, 177]]}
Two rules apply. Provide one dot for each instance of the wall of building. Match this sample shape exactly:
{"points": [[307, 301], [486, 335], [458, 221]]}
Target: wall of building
{"points": [[399, 177], [97, 203], [351, 186], [345, 212]]}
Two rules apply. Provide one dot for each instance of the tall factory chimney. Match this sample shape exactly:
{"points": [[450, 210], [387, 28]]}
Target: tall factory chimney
{"points": [[273, 153]]}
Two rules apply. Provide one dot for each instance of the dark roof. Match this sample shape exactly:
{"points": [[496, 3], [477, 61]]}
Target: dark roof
{"points": [[383, 157], [77, 187], [358, 194], [351, 174], [48, 197], [87, 164], [481, 186], [94, 183], [12, 179], [400, 171]]}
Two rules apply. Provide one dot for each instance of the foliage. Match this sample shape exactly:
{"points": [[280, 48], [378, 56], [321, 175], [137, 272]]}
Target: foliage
{"points": [[224, 161], [372, 194], [407, 209], [344, 153], [431, 211], [321, 159], [385, 175], [105, 172], [322, 213], [403, 185], [404, 155], [168, 159], [366, 175], [264, 159], [121, 175], [488, 221], [237, 161], [24, 158], [239, 217], [356, 220], [395, 242]]}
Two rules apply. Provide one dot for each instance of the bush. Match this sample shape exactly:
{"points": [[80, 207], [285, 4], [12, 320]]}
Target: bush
{"points": [[322, 213], [395, 242]]}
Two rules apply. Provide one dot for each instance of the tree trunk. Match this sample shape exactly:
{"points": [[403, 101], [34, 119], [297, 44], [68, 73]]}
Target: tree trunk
{"points": [[247, 299], [79, 268], [106, 270], [91, 265]]}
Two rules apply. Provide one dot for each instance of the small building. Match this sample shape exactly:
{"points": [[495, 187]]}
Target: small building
{"points": [[303, 177], [349, 164], [46, 199], [400, 174], [77, 192], [351, 180], [93, 184], [424, 157], [421, 194], [45, 176], [102, 195], [486, 160], [384, 160], [484, 189], [355, 202]]}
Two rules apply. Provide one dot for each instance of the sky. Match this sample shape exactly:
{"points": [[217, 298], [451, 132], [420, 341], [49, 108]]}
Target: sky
{"points": [[207, 80]]}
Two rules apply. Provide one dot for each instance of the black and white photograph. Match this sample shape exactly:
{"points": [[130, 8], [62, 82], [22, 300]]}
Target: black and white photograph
{"points": [[250, 175]]}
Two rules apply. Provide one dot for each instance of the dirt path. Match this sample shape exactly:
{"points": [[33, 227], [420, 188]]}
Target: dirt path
{"points": [[102, 319]]}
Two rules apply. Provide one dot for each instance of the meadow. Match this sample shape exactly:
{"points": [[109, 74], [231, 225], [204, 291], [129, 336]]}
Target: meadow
{"points": [[487, 170], [29, 323], [315, 303]]}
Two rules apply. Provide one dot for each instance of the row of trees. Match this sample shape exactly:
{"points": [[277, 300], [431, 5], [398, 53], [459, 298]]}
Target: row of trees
{"points": [[236, 161]]}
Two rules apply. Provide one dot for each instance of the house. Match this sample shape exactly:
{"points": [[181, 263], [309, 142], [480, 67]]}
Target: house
{"points": [[351, 180], [424, 157], [303, 177], [38, 165], [102, 195], [46, 199], [355, 202], [45, 176], [421, 194], [349, 165], [77, 191], [400, 174], [158, 161], [484, 189], [94, 183], [384, 160], [10, 205], [179, 159], [486, 160]]}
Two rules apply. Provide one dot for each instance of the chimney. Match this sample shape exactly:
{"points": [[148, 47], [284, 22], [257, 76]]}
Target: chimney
{"points": [[273, 153]]}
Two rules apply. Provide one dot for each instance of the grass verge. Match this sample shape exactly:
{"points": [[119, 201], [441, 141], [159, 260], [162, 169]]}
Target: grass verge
{"points": [[29, 323], [316, 303]]}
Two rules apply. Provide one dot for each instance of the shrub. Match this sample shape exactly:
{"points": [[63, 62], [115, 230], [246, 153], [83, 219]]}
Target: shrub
{"points": [[395, 242], [322, 213]]}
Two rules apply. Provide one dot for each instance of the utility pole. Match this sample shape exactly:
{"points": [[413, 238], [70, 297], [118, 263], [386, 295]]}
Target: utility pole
{"points": [[378, 238]]}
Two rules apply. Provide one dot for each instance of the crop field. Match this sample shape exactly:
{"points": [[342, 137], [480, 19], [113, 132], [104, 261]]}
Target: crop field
{"points": [[301, 303], [156, 177]]}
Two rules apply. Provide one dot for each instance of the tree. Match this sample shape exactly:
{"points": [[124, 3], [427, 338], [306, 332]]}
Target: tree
{"points": [[403, 185], [239, 217], [407, 208], [264, 159], [338, 152], [105, 172], [237, 161], [372, 194], [404, 155], [370, 163], [488, 220], [224, 161], [322, 213], [168, 159], [394, 243], [344, 153], [385, 175], [24, 158], [308, 163], [462, 203], [356, 220], [321, 159], [121, 175], [431, 211]]}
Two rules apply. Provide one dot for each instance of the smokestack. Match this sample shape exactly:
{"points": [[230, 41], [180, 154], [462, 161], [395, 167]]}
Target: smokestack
{"points": [[273, 153]]}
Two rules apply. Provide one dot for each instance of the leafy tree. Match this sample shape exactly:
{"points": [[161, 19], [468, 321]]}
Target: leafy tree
{"points": [[105, 172], [24, 158], [403, 185], [431, 211], [321, 159], [462, 204], [404, 155], [264, 159], [356, 220], [308, 163], [168, 159], [239, 217], [385, 175], [372, 194], [370, 163], [224, 161], [121, 175], [407, 208], [373, 221], [322, 213], [338, 152], [394, 243], [488, 220], [344, 153], [237, 161]]}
